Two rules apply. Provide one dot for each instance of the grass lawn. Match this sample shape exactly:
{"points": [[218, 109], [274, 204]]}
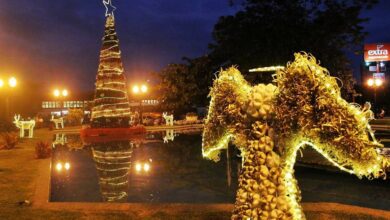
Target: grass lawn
{"points": [[18, 171]]}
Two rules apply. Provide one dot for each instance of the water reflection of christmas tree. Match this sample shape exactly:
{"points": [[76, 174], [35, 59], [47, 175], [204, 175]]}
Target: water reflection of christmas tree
{"points": [[113, 161]]}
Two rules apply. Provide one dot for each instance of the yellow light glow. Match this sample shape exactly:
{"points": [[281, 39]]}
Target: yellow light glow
{"points": [[136, 89], [370, 82], [213, 152], [378, 82], [56, 93], [67, 166], [1, 83], [144, 88], [65, 93], [267, 69], [12, 82], [138, 167], [59, 167], [146, 167]]}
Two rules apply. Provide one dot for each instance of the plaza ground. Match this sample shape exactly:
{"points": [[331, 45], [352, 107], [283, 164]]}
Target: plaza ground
{"points": [[20, 174]]}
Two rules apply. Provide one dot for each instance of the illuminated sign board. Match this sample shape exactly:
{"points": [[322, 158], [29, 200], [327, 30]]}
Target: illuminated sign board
{"points": [[372, 68], [379, 76], [376, 52]]}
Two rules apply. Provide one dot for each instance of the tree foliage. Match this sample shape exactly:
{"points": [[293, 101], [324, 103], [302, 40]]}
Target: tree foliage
{"points": [[269, 32], [266, 33], [184, 86]]}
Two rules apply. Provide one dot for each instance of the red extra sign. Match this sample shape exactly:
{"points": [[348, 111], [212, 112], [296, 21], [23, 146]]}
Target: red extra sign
{"points": [[376, 52]]}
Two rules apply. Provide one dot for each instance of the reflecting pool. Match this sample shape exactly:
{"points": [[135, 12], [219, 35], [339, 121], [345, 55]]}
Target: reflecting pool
{"points": [[167, 167], [161, 167]]}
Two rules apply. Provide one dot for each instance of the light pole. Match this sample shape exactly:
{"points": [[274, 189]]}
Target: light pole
{"points": [[140, 91], [58, 94], [374, 83], [12, 82]]}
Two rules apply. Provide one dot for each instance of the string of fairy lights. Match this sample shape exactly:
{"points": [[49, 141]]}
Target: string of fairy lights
{"points": [[267, 69], [111, 100], [113, 163]]}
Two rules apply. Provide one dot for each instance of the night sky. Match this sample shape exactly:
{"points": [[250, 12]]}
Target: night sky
{"points": [[57, 43]]}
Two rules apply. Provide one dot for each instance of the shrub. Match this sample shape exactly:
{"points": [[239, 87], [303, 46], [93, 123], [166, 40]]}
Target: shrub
{"points": [[74, 117], [191, 117], [10, 139], [42, 150], [7, 126], [192, 114]]}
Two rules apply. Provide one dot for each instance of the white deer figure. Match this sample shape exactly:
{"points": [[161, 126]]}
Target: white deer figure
{"points": [[169, 135], [58, 121], [24, 125], [168, 119], [60, 139]]}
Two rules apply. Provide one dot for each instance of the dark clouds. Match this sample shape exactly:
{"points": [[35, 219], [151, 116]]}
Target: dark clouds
{"points": [[55, 41]]}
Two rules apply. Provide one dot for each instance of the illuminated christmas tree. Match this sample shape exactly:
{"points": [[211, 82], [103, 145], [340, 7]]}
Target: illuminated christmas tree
{"points": [[111, 105]]}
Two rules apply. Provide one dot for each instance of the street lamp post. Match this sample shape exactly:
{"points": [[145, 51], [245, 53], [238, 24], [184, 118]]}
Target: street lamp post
{"points": [[139, 91], [12, 82], [58, 94], [374, 83]]}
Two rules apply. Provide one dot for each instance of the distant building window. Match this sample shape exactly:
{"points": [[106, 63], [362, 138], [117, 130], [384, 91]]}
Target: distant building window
{"points": [[52, 104], [66, 104]]}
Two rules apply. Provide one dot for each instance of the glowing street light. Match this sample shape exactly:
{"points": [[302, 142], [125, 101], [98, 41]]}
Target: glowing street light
{"points": [[375, 83], [140, 89], [56, 93], [144, 88], [370, 82], [378, 82], [67, 166], [135, 89], [12, 82], [138, 167], [64, 92], [145, 167], [59, 167]]}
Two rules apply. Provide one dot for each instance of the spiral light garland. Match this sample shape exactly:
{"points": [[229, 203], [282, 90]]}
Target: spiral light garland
{"points": [[113, 163], [111, 105]]}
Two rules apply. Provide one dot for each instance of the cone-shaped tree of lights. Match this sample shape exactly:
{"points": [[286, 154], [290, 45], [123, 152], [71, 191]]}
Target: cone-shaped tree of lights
{"points": [[111, 105]]}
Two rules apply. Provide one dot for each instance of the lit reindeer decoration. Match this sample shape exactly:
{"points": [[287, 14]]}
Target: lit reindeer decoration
{"points": [[168, 119], [24, 125], [58, 122], [61, 139], [270, 124], [169, 135]]}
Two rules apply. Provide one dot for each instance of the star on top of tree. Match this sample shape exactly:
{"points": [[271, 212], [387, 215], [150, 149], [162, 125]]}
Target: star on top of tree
{"points": [[109, 7]]}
